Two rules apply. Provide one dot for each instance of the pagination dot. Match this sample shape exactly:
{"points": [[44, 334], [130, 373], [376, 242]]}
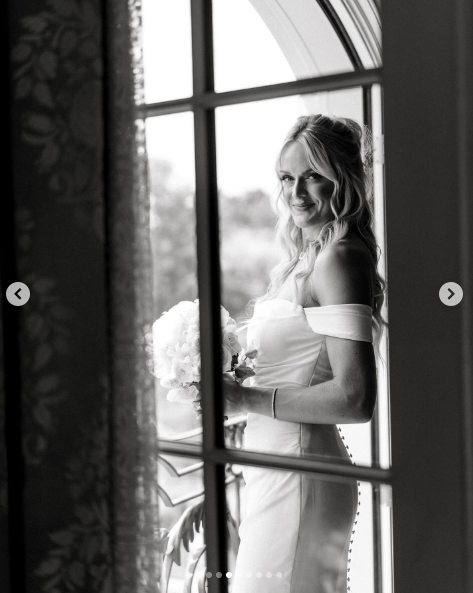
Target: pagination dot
{"points": [[278, 575], [229, 575], [218, 575], [208, 575], [259, 575], [269, 574]]}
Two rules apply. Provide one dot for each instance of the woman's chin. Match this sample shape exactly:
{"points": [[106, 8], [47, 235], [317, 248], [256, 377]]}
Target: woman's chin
{"points": [[306, 223]]}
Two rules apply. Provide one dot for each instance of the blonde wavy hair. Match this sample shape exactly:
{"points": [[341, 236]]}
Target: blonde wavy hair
{"points": [[340, 150]]}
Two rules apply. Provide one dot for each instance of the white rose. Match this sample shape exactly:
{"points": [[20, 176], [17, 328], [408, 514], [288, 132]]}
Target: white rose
{"points": [[194, 343], [183, 395], [196, 369], [192, 335], [234, 343], [184, 349], [231, 325], [169, 382], [226, 358], [182, 371], [168, 329], [194, 354], [224, 315], [187, 309]]}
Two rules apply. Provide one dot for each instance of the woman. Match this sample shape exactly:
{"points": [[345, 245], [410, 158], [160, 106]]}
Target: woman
{"points": [[315, 367]]}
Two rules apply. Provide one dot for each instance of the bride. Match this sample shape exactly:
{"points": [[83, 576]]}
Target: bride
{"points": [[315, 368]]}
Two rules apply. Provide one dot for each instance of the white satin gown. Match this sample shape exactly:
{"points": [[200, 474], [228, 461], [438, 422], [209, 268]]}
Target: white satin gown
{"points": [[296, 529]]}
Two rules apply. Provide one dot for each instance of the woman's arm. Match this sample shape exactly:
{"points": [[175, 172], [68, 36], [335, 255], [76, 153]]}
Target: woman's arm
{"points": [[342, 275]]}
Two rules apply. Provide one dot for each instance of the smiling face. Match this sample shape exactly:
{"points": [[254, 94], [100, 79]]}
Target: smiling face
{"points": [[306, 192]]}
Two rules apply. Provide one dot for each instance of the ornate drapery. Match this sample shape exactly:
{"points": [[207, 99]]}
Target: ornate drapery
{"points": [[134, 444], [81, 222]]}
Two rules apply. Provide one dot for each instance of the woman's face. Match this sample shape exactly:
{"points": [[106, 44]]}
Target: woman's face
{"points": [[306, 192]]}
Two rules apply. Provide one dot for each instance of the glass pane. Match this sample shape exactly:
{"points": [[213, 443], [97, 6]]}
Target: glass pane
{"points": [[248, 184], [182, 548], [258, 43], [170, 146], [361, 20], [302, 529], [167, 50]]}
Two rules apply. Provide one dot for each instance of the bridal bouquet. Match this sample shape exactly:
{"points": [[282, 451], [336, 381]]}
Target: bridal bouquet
{"points": [[176, 352]]}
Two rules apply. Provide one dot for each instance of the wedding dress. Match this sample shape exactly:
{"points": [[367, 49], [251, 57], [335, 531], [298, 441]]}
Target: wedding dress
{"points": [[296, 528]]}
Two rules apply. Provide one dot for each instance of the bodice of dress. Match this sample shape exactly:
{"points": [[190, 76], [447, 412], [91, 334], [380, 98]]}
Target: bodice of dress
{"points": [[290, 340], [292, 353]]}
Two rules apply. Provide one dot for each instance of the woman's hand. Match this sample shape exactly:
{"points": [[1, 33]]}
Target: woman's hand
{"points": [[234, 395]]}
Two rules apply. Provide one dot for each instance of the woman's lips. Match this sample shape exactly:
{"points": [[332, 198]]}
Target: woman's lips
{"points": [[302, 207]]}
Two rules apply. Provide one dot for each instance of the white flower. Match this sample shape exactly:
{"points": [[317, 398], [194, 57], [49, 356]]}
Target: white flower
{"points": [[168, 329], [226, 358], [231, 325], [176, 349], [182, 371], [224, 315], [234, 343], [192, 336], [184, 395], [170, 382]]}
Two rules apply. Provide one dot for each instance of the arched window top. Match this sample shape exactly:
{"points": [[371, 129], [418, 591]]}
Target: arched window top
{"points": [[321, 37], [362, 23], [259, 42], [305, 35]]}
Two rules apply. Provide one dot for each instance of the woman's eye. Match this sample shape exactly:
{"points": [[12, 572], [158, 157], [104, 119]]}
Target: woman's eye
{"points": [[314, 176], [286, 179]]}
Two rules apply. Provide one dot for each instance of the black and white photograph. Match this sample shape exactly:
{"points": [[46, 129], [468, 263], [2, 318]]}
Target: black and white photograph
{"points": [[236, 259]]}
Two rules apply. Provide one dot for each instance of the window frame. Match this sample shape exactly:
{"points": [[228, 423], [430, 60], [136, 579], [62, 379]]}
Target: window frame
{"points": [[213, 452]]}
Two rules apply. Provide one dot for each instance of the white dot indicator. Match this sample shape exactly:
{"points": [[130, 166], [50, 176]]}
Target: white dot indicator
{"points": [[208, 575], [259, 575], [229, 575], [269, 574], [278, 575]]}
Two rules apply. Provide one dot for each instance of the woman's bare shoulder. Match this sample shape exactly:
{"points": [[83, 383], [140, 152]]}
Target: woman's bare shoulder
{"points": [[343, 273]]}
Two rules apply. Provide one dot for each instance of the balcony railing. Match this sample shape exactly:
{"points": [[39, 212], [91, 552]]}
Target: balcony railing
{"points": [[187, 529]]}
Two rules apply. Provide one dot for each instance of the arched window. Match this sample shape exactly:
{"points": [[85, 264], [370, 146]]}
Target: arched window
{"points": [[224, 82]]}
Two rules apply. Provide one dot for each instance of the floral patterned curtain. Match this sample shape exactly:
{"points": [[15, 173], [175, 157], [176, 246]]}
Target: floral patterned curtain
{"points": [[81, 205], [134, 443]]}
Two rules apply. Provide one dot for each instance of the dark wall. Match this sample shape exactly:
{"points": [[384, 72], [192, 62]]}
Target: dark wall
{"points": [[429, 183]]}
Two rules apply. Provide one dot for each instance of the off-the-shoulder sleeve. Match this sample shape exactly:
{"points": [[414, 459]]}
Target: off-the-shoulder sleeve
{"points": [[352, 322]]}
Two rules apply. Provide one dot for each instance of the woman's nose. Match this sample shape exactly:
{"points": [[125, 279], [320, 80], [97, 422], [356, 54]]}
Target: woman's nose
{"points": [[298, 189]]}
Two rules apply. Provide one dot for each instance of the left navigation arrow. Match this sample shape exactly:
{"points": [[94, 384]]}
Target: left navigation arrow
{"points": [[18, 294]]}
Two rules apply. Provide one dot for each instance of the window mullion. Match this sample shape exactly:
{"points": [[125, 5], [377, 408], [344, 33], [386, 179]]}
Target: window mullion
{"points": [[211, 99], [344, 471], [375, 452], [208, 273]]}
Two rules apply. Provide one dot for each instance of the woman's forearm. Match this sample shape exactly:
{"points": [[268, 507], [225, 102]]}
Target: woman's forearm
{"points": [[325, 403]]}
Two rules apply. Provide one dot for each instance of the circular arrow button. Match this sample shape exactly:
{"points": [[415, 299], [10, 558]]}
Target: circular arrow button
{"points": [[18, 294], [451, 294]]}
